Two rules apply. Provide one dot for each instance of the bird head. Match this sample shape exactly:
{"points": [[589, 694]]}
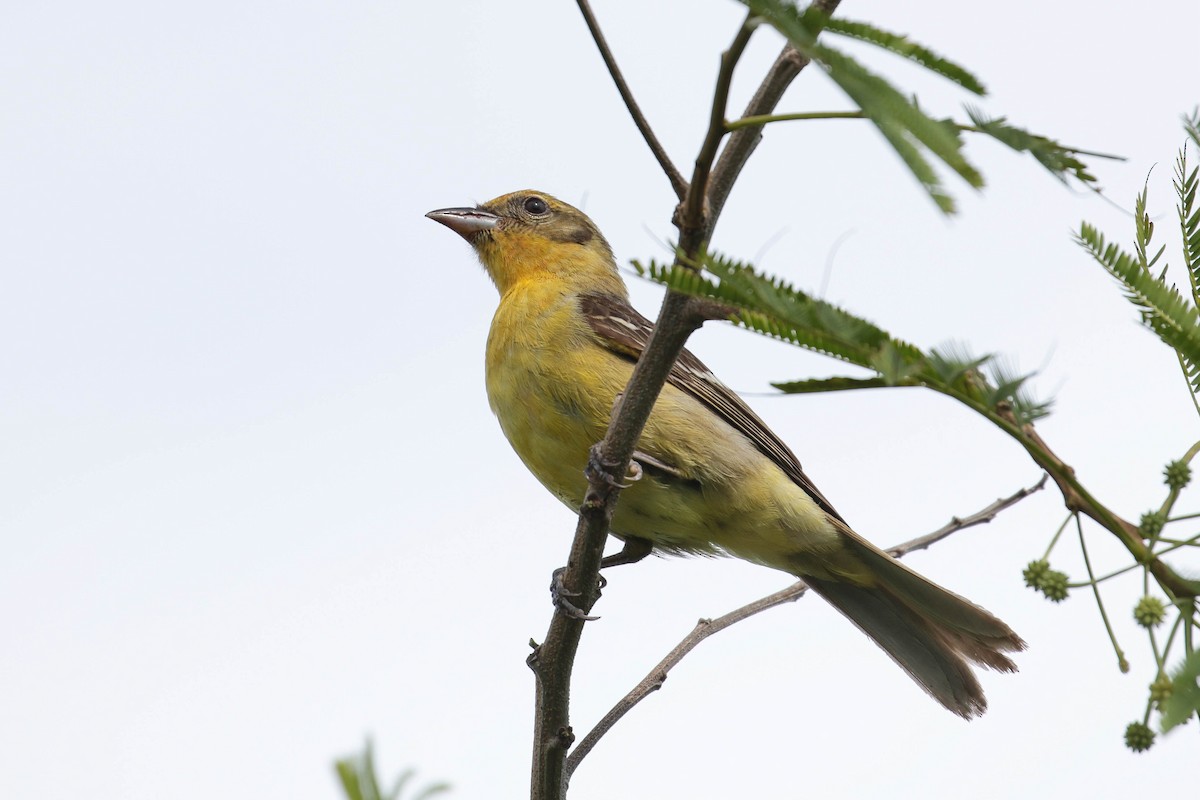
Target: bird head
{"points": [[529, 236]]}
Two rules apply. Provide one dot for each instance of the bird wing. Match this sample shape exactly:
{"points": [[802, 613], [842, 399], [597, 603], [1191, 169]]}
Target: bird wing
{"points": [[626, 332]]}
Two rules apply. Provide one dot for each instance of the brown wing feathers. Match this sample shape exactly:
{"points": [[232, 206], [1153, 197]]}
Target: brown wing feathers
{"points": [[626, 332]]}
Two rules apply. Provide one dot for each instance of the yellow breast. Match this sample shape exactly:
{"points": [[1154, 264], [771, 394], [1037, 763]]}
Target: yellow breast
{"points": [[550, 392], [552, 386]]}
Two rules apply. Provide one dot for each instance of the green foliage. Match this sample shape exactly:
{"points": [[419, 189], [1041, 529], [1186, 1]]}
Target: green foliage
{"points": [[1144, 233], [1173, 317], [773, 307], [1189, 214], [1163, 309], [909, 130], [906, 48], [1183, 700], [360, 781], [1058, 159], [839, 384]]}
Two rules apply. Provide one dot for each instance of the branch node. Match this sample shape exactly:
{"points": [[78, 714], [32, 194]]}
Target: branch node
{"points": [[702, 309], [564, 737]]}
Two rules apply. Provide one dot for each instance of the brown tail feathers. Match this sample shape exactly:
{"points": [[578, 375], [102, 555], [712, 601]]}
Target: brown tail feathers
{"points": [[930, 632]]}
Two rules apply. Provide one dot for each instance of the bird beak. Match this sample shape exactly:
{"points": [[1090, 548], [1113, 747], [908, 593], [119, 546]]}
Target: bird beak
{"points": [[466, 222]]}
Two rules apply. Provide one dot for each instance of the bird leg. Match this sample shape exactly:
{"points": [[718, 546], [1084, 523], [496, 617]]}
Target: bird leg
{"points": [[635, 550]]}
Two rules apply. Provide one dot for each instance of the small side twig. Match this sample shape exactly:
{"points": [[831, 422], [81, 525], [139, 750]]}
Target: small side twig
{"points": [[788, 64], [678, 184], [705, 628], [693, 218], [983, 515], [1122, 662]]}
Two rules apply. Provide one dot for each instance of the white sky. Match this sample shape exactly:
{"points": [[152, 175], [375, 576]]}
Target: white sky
{"points": [[255, 506]]}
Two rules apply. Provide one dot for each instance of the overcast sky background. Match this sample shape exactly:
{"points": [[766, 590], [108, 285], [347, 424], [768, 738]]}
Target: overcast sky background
{"points": [[255, 506]]}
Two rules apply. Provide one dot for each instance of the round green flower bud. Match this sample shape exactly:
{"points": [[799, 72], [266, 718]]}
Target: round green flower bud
{"points": [[1151, 524], [1138, 737], [1160, 690], [1149, 612], [1054, 586], [1177, 474], [1034, 572]]}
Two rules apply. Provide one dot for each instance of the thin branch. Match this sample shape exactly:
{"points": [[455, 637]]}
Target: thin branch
{"points": [[1122, 662], [765, 119], [742, 144], [552, 662], [693, 222], [1077, 498], [1109, 576], [707, 627], [678, 184], [1058, 534], [980, 517]]}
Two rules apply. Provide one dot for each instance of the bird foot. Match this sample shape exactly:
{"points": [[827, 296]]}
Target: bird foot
{"points": [[597, 470], [559, 594]]}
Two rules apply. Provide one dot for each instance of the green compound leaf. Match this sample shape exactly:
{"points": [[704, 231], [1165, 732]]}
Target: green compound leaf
{"points": [[1184, 700]]}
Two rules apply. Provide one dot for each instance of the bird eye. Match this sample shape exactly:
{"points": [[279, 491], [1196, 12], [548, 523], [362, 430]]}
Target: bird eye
{"points": [[536, 206]]}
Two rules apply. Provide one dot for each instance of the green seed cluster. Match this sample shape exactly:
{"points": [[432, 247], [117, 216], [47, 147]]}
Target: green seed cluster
{"points": [[1034, 572], [1149, 612], [1050, 582], [1138, 737], [1160, 690], [1177, 474], [1151, 524]]}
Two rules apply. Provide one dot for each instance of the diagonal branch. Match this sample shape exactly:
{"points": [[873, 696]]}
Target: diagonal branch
{"points": [[743, 142], [707, 627], [552, 662], [673, 175], [984, 515], [1078, 499], [694, 225]]}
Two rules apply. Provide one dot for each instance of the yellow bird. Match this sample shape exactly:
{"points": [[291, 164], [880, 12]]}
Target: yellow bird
{"points": [[715, 479]]}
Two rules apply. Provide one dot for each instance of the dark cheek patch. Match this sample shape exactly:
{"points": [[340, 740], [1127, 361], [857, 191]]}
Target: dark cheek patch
{"points": [[578, 234]]}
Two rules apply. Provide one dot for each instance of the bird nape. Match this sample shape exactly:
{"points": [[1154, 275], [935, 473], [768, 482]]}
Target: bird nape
{"points": [[715, 479]]}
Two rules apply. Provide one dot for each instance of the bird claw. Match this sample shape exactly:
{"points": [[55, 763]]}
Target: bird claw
{"points": [[559, 594], [597, 470]]}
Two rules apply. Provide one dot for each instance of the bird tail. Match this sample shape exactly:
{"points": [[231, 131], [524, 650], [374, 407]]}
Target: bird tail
{"points": [[930, 632]]}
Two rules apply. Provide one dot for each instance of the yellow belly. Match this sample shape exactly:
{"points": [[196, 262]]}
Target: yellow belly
{"points": [[552, 387]]}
